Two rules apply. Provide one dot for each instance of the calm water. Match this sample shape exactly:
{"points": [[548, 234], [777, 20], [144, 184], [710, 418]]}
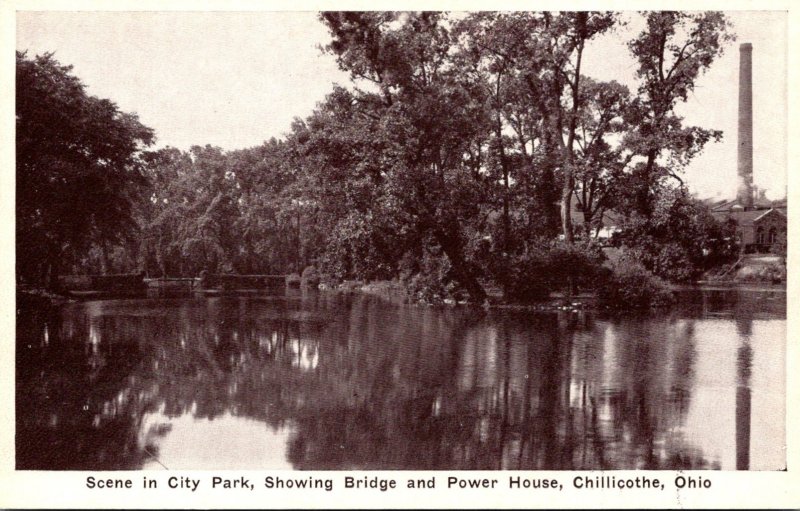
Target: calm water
{"points": [[331, 382]]}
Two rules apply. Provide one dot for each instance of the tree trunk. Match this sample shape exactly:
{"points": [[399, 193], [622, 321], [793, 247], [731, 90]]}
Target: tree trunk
{"points": [[506, 185], [53, 270], [104, 261], [48, 280], [588, 216], [548, 198], [501, 153], [643, 202], [566, 202], [569, 176], [462, 269]]}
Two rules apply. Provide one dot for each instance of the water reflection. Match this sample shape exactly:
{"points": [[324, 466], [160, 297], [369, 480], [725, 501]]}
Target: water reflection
{"points": [[329, 382]]}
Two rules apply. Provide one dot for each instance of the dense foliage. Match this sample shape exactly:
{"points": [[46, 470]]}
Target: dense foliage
{"points": [[629, 285], [78, 169], [450, 164], [679, 240]]}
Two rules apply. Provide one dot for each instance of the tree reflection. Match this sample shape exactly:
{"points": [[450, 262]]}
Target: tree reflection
{"points": [[359, 383], [744, 362]]}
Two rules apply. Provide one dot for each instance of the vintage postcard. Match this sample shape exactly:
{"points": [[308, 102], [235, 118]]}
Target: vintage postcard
{"points": [[475, 256]]}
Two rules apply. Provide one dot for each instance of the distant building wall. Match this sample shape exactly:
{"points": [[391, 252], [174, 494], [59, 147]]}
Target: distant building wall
{"points": [[770, 225], [747, 234]]}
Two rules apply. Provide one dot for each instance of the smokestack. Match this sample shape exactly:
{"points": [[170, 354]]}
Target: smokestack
{"points": [[745, 156]]}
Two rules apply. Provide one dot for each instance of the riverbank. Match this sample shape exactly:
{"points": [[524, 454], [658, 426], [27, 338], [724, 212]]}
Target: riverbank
{"points": [[40, 297], [721, 285], [395, 292], [755, 269]]}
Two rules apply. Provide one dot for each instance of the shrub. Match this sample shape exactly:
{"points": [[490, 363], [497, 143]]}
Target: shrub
{"points": [[293, 280], [581, 261], [431, 282], [779, 248], [532, 275], [771, 273], [629, 285], [665, 260], [679, 240], [527, 278], [310, 277]]}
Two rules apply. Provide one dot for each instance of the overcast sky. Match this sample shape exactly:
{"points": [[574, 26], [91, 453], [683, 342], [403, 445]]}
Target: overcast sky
{"points": [[236, 79]]}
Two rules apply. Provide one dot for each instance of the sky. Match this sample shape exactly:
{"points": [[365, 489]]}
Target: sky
{"points": [[235, 79]]}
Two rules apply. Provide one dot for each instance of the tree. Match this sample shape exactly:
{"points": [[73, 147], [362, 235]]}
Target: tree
{"points": [[269, 219], [78, 169], [352, 191], [164, 209], [456, 154], [477, 126], [540, 57], [208, 239], [673, 50], [568, 34], [600, 158], [680, 239], [425, 121], [489, 55]]}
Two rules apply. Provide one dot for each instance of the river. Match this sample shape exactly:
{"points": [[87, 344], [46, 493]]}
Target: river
{"points": [[319, 381]]}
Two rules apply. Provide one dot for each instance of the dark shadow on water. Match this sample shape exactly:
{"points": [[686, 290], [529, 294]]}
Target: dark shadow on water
{"points": [[332, 382]]}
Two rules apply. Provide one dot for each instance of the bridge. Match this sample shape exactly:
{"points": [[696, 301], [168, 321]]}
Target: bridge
{"points": [[137, 284]]}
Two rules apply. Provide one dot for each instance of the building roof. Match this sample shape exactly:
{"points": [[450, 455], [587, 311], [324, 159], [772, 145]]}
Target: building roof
{"points": [[720, 205], [723, 205], [746, 217], [768, 212], [780, 204], [610, 218]]}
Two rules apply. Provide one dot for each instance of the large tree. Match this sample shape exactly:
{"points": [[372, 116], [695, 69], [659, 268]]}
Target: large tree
{"points": [[673, 51], [425, 118], [531, 64], [78, 171]]}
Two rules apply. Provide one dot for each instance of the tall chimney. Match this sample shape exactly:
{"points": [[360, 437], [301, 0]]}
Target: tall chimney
{"points": [[745, 156]]}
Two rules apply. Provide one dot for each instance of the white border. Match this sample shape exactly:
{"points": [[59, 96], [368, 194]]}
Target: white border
{"points": [[24, 489]]}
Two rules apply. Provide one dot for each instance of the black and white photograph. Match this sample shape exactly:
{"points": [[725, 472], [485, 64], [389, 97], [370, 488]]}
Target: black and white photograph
{"points": [[351, 242]]}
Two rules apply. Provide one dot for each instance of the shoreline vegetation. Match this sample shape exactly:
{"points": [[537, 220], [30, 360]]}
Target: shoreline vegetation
{"points": [[469, 161], [615, 294]]}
